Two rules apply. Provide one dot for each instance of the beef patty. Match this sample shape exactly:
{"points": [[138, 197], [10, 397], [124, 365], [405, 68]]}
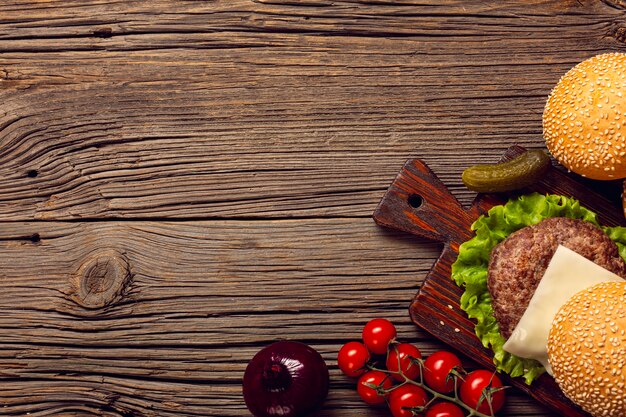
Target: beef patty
{"points": [[518, 263]]}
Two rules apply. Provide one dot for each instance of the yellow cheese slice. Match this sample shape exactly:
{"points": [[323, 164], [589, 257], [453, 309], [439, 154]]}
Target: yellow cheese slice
{"points": [[567, 274]]}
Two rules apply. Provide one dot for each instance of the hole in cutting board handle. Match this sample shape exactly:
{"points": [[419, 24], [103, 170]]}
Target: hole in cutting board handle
{"points": [[415, 200], [418, 202]]}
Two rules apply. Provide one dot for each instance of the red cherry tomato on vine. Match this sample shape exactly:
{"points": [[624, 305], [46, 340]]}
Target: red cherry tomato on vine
{"points": [[437, 368], [377, 334], [404, 397], [352, 358], [444, 409], [478, 382], [371, 395], [407, 353]]}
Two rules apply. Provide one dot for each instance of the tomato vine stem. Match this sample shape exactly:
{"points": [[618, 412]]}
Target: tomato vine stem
{"points": [[436, 395]]}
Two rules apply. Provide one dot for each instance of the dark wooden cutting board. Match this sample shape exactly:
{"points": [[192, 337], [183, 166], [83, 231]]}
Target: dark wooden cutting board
{"points": [[419, 203]]}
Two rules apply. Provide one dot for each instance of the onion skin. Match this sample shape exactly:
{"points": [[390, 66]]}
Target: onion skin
{"points": [[288, 379]]}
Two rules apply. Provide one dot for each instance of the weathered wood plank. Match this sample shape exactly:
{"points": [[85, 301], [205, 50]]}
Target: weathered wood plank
{"points": [[208, 272], [62, 19], [268, 109], [204, 297]]}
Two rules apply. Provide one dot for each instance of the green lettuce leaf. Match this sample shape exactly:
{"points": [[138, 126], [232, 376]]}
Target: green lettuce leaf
{"points": [[470, 269]]}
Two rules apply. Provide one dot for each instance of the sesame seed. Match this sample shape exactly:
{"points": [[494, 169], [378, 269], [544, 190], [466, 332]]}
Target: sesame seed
{"points": [[588, 364], [581, 118]]}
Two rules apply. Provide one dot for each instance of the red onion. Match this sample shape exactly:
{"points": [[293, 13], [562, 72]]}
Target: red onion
{"points": [[287, 379]]}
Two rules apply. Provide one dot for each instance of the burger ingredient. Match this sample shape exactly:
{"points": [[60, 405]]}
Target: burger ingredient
{"points": [[377, 334], [583, 121], [470, 269], [566, 274], [373, 385], [518, 263], [483, 391], [403, 358], [352, 359], [586, 349], [285, 378], [414, 397], [444, 409], [520, 172], [405, 398], [439, 371]]}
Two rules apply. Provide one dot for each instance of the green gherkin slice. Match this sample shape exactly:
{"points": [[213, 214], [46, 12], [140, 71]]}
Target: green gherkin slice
{"points": [[517, 173]]}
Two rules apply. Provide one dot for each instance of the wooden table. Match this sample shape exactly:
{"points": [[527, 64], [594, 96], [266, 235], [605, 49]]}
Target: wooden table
{"points": [[184, 182]]}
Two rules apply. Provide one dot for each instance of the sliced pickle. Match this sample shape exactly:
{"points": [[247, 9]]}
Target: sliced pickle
{"points": [[520, 172]]}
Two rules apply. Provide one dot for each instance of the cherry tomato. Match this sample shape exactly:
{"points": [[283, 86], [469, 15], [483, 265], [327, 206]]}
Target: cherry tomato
{"points": [[406, 396], [371, 395], [352, 358], [444, 409], [406, 352], [437, 368], [377, 334], [478, 382]]}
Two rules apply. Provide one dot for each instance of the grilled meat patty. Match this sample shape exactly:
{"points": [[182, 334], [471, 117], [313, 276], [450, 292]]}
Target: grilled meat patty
{"points": [[518, 263]]}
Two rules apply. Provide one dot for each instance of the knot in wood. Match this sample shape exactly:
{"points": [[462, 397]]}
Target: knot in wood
{"points": [[620, 34], [101, 280]]}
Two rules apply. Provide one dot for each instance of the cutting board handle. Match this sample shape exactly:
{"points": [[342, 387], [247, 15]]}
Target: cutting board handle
{"points": [[418, 202]]}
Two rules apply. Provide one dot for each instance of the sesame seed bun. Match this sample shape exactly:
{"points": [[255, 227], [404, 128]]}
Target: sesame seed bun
{"points": [[587, 349], [584, 121]]}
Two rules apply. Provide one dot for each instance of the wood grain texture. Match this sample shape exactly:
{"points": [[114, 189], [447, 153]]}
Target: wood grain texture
{"points": [[238, 108], [203, 297], [231, 152]]}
